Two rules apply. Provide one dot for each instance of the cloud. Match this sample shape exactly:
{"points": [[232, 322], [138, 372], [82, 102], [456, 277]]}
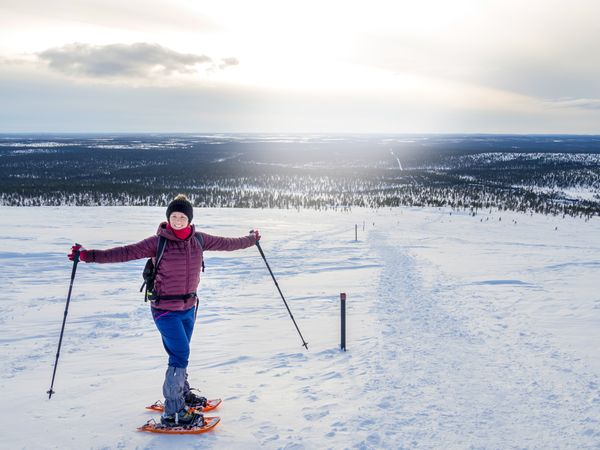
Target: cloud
{"points": [[226, 62], [541, 49], [581, 103], [138, 60]]}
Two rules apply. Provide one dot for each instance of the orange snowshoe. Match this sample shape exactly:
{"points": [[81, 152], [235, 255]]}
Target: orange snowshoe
{"points": [[206, 424]]}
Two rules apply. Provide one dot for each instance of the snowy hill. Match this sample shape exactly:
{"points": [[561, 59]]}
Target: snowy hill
{"points": [[463, 332]]}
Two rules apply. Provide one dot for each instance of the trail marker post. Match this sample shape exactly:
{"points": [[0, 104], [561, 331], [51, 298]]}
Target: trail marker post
{"points": [[343, 320]]}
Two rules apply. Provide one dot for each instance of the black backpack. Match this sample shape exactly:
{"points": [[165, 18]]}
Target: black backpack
{"points": [[150, 269]]}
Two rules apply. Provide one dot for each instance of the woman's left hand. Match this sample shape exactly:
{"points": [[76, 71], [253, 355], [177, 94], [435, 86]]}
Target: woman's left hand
{"points": [[77, 249], [256, 234]]}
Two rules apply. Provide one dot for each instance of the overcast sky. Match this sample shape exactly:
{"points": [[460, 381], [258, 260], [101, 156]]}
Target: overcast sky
{"points": [[432, 66]]}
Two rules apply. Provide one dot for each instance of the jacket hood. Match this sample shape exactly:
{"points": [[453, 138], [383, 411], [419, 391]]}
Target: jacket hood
{"points": [[168, 234]]}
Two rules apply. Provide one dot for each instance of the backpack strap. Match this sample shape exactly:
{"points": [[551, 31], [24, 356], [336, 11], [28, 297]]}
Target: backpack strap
{"points": [[160, 250], [200, 240], [162, 243]]}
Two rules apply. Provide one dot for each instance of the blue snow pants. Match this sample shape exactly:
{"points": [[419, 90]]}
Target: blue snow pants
{"points": [[176, 328]]}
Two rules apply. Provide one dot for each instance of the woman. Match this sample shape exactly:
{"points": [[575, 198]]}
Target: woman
{"points": [[174, 299]]}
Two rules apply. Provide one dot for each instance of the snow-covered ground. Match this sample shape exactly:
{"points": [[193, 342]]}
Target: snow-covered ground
{"points": [[463, 332]]}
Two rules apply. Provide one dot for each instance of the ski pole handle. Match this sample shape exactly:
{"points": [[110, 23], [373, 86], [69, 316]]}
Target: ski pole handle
{"points": [[257, 235]]}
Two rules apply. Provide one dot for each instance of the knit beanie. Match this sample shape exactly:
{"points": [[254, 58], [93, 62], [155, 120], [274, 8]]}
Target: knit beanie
{"points": [[181, 204]]}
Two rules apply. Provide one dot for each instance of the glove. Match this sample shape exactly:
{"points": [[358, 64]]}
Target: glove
{"points": [[77, 248], [256, 234]]}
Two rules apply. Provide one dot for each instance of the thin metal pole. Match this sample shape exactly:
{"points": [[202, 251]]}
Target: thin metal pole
{"points": [[62, 330], [343, 320], [304, 343]]}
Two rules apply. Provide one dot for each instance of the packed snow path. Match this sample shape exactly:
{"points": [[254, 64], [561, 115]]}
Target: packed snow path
{"points": [[463, 332], [450, 372]]}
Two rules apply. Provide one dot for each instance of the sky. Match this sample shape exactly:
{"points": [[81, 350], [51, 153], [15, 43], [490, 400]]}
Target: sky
{"points": [[434, 66]]}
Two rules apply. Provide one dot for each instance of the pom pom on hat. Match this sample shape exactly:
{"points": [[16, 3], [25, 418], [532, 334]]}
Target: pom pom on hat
{"points": [[181, 204]]}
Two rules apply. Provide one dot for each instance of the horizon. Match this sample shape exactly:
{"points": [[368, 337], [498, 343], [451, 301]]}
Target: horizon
{"points": [[282, 133]]}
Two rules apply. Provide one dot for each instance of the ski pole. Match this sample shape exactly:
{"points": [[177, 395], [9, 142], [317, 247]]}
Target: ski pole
{"points": [[304, 343], [62, 330]]}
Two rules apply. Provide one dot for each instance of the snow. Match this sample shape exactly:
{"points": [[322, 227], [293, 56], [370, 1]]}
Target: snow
{"points": [[463, 332], [582, 193]]}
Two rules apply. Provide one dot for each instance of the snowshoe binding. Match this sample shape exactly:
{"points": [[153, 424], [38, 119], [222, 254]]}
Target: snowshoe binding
{"points": [[208, 405], [185, 417]]}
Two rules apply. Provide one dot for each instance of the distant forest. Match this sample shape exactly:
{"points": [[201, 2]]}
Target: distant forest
{"points": [[530, 174]]}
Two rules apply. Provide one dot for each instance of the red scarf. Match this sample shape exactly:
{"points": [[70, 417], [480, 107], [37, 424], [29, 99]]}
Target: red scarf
{"points": [[182, 234]]}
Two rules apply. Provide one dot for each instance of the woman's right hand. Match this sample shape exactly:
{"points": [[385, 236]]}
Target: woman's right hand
{"points": [[75, 249], [256, 234]]}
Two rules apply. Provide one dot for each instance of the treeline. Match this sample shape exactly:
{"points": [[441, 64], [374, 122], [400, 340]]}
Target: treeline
{"points": [[244, 195], [323, 176]]}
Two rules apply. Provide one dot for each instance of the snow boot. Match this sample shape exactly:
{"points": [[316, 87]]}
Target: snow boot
{"points": [[195, 401], [184, 418], [192, 400]]}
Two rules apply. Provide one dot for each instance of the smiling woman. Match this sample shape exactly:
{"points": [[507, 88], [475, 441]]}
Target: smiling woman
{"points": [[174, 301]]}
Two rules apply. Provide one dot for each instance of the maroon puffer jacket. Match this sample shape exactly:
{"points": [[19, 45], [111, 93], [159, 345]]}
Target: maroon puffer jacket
{"points": [[179, 269]]}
